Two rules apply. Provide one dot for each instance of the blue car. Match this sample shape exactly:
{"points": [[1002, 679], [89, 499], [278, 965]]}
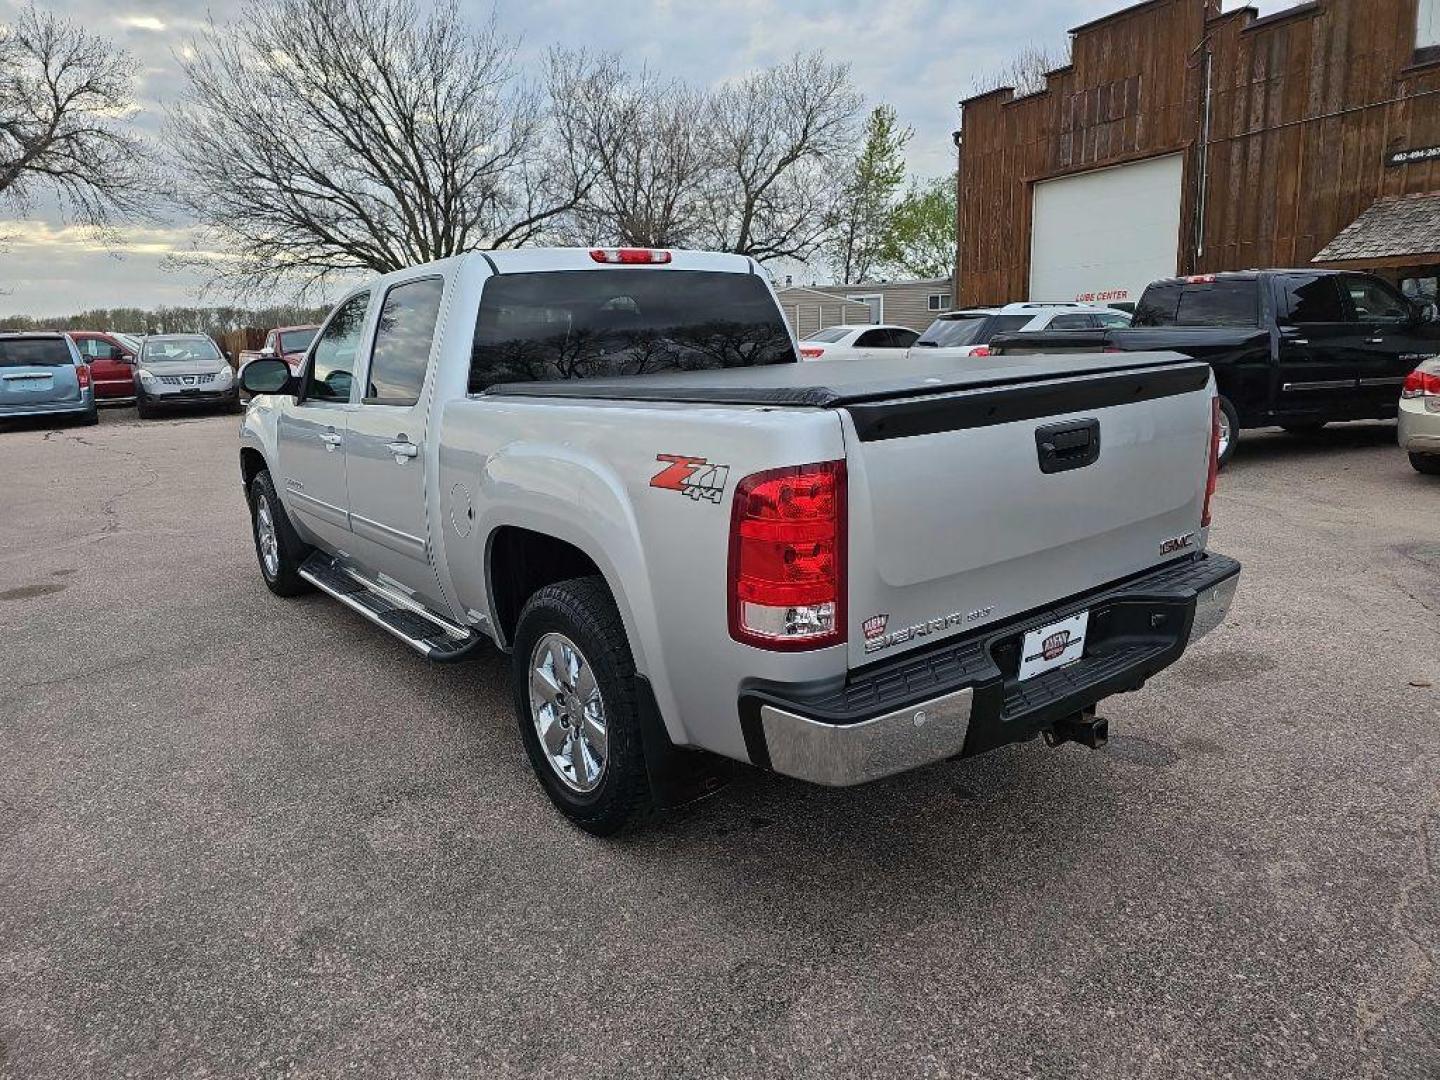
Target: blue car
{"points": [[42, 374]]}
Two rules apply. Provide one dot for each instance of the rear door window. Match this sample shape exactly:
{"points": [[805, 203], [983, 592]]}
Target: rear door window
{"points": [[1005, 324], [955, 332], [873, 339], [581, 324], [1072, 322], [34, 352], [403, 336], [1310, 298], [901, 339]]}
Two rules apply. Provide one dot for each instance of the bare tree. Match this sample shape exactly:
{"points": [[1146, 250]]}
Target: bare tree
{"points": [[640, 137], [325, 136], [1025, 73], [776, 142], [63, 95]]}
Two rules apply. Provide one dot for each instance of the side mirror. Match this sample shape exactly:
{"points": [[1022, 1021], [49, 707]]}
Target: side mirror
{"points": [[1426, 311], [268, 376]]}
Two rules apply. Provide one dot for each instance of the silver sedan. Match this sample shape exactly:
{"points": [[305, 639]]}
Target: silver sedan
{"points": [[1420, 417]]}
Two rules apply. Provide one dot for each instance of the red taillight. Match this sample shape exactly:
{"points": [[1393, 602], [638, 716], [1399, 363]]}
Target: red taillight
{"points": [[1214, 474], [811, 352], [82, 375], [630, 256], [787, 558], [1420, 383], [981, 350]]}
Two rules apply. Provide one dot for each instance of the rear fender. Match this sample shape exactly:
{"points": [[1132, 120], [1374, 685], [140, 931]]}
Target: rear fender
{"points": [[566, 494]]}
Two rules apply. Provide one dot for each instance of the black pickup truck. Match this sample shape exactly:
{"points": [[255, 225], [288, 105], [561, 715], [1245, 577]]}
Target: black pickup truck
{"points": [[1297, 348]]}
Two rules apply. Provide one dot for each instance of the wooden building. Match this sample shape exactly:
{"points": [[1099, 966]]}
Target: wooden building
{"points": [[1181, 139]]}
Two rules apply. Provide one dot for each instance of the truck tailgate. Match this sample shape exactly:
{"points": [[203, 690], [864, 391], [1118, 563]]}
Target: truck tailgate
{"points": [[974, 506]]}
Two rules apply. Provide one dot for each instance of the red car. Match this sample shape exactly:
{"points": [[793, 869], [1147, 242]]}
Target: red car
{"points": [[287, 343], [111, 358]]}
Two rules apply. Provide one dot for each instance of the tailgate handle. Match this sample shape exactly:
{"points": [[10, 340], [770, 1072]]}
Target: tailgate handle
{"points": [[1071, 445]]}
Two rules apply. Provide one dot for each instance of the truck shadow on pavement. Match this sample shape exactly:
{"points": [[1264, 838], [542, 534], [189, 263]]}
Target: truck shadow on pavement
{"points": [[1265, 445]]}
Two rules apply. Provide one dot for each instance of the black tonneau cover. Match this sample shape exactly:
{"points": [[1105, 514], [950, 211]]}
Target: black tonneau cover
{"points": [[838, 383]]}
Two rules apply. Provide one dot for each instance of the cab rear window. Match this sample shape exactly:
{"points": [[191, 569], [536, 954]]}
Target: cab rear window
{"points": [[34, 352], [583, 324], [1225, 302]]}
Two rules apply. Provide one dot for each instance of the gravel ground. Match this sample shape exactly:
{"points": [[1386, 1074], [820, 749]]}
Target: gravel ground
{"points": [[242, 836]]}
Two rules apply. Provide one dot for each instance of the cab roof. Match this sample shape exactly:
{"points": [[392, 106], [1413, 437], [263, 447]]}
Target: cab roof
{"points": [[532, 260]]}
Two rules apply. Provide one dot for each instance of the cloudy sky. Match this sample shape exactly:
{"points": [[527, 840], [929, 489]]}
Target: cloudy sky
{"points": [[919, 55]]}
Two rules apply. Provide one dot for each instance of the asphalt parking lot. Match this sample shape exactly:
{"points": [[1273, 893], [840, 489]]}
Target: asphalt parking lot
{"points": [[242, 836]]}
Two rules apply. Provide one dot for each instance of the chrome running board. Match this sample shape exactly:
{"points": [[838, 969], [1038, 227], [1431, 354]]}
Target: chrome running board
{"points": [[427, 633]]}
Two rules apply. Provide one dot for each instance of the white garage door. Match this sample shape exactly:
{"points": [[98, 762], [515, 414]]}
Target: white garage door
{"points": [[1104, 235]]}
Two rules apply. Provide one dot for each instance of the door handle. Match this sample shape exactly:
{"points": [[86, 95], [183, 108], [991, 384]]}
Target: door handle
{"points": [[331, 440], [1071, 445], [1375, 341], [402, 449]]}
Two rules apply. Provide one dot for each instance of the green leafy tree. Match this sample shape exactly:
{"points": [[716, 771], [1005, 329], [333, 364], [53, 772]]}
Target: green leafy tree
{"points": [[920, 240], [862, 220]]}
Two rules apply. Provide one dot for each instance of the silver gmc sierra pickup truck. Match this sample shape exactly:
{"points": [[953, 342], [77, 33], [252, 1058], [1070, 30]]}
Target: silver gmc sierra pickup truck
{"points": [[610, 464]]}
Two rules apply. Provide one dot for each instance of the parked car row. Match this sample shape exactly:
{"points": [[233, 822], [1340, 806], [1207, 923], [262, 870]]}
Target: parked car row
{"points": [[69, 374], [956, 334]]}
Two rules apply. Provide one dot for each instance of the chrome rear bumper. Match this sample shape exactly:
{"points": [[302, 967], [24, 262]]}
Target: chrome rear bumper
{"points": [[839, 755], [963, 697]]}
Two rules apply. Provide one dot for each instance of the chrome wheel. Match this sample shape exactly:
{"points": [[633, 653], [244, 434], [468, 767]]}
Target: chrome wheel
{"points": [[568, 712], [266, 537], [1225, 434]]}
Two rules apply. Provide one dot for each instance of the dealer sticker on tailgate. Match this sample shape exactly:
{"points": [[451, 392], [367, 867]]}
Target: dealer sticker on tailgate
{"points": [[1053, 646]]}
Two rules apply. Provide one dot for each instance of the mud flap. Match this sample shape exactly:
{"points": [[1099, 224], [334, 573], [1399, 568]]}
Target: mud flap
{"points": [[677, 776]]}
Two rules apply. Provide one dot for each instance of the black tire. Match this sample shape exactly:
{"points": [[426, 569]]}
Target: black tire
{"points": [[583, 610], [1429, 464], [144, 409], [1234, 420], [90, 419], [1311, 427], [291, 551]]}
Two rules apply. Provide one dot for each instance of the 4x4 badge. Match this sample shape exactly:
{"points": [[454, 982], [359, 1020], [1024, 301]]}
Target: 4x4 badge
{"points": [[693, 476]]}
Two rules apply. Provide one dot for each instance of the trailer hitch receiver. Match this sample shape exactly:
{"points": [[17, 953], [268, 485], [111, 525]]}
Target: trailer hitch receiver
{"points": [[1083, 727]]}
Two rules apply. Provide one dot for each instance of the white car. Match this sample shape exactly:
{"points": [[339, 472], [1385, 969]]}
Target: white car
{"points": [[1420, 417], [968, 332], [857, 341]]}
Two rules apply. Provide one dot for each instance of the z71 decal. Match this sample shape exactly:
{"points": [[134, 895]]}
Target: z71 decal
{"points": [[693, 476]]}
